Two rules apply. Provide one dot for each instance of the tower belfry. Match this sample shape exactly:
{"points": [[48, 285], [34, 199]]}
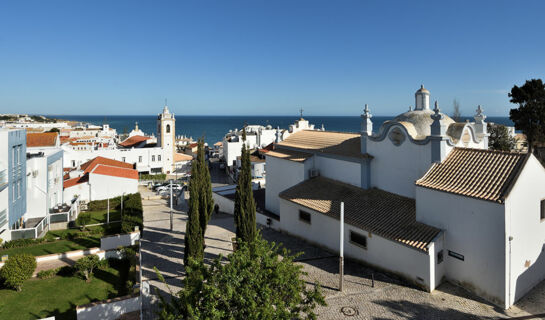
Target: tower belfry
{"points": [[166, 138]]}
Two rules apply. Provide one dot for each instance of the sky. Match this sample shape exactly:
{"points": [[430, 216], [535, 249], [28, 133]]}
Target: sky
{"points": [[265, 57]]}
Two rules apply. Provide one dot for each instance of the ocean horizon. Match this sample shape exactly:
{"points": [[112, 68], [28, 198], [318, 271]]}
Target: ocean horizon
{"points": [[214, 128]]}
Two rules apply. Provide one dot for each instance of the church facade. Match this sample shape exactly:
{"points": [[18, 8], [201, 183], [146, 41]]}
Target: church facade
{"points": [[424, 198]]}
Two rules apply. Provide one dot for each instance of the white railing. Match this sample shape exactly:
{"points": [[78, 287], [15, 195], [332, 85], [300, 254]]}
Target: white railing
{"points": [[3, 217], [3, 178]]}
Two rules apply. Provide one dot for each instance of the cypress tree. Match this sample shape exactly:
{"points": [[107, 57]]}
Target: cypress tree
{"points": [[194, 241], [206, 203], [244, 201]]}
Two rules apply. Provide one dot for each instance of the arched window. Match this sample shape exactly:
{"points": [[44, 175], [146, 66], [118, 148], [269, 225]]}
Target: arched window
{"points": [[168, 128]]}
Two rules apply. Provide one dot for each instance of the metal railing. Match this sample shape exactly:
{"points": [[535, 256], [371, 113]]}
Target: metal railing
{"points": [[3, 178], [30, 233]]}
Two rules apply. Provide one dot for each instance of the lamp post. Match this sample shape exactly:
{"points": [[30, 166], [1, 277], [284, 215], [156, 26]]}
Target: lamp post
{"points": [[341, 251], [171, 227]]}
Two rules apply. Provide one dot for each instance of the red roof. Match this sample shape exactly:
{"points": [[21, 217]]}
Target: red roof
{"points": [[43, 139], [267, 148], [133, 141], [115, 172], [91, 164], [75, 181]]}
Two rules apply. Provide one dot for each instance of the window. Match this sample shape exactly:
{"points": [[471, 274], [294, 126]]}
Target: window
{"points": [[73, 163], [439, 256], [153, 158], [19, 189], [123, 159], [159, 158], [140, 159], [542, 213], [456, 255], [358, 239], [168, 128], [304, 216]]}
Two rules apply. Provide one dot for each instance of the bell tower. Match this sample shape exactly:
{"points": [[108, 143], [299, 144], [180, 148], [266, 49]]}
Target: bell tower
{"points": [[166, 138]]}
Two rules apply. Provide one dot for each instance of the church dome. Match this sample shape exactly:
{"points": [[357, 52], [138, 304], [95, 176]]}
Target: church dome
{"points": [[422, 90], [420, 122]]}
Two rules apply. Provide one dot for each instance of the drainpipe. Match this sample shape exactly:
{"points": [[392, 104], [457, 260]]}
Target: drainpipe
{"points": [[509, 297]]}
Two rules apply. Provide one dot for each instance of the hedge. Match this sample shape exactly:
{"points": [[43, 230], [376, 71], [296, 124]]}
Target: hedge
{"points": [[158, 177]]}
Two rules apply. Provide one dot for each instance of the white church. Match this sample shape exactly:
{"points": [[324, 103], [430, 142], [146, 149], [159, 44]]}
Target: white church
{"points": [[146, 157], [424, 198]]}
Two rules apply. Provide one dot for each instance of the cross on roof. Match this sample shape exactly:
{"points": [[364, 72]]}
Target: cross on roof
{"points": [[301, 112]]}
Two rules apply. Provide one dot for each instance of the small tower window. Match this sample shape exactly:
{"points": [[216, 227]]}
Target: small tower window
{"points": [[168, 128], [542, 212]]}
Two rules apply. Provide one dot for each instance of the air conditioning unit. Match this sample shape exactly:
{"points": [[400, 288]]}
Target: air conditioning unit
{"points": [[312, 173], [34, 173]]}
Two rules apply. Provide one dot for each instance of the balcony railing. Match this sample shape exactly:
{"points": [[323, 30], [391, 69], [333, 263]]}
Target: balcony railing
{"points": [[3, 178], [37, 230]]}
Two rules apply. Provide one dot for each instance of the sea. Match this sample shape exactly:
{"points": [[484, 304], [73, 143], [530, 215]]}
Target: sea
{"points": [[214, 128]]}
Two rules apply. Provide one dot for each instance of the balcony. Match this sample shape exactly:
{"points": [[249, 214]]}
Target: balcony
{"points": [[3, 179]]}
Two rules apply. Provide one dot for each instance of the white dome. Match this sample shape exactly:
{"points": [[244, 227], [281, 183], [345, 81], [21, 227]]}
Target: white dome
{"points": [[421, 122]]}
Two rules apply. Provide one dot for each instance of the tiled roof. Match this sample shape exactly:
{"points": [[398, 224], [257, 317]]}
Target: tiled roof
{"points": [[291, 155], [386, 214], [133, 141], [75, 181], [115, 171], [482, 174], [44, 139], [182, 157], [218, 144], [91, 164], [338, 143]]}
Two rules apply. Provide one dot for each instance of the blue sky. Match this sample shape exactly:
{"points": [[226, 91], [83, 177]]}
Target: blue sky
{"points": [[265, 57]]}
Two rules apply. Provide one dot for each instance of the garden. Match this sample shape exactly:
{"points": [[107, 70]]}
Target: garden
{"points": [[88, 281]]}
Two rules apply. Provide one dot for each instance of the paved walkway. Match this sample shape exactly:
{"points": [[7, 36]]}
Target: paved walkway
{"points": [[389, 298]]}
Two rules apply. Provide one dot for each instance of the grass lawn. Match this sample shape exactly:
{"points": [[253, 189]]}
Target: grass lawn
{"points": [[60, 246], [100, 216], [60, 295]]}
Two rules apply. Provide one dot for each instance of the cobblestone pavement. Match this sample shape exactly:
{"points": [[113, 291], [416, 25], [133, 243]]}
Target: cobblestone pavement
{"points": [[389, 298]]}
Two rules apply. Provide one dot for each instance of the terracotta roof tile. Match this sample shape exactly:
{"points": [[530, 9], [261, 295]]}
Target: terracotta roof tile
{"points": [[91, 164], [115, 172], [386, 214], [133, 141], [482, 174], [338, 143], [291, 155], [182, 157], [75, 181], [44, 139]]}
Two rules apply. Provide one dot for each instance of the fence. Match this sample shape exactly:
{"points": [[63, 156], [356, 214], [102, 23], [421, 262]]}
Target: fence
{"points": [[30, 233]]}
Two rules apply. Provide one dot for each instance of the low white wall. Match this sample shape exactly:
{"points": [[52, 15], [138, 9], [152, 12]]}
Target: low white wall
{"points": [[70, 254], [110, 309], [119, 240], [412, 264], [227, 205]]}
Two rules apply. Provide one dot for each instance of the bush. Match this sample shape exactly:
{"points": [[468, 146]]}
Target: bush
{"points": [[17, 269], [47, 274], [86, 265], [129, 222], [98, 205], [84, 219], [21, 243], [157, 177]]}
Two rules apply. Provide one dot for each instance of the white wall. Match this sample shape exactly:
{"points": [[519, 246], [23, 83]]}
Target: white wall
{"points": [[383, 253], [473, 228], [104, 187], [227, 205], [129, 155], [111, 309], [282, 174], [119, 240], [81, 190], [340, 170], [396, 168], [528, 231]]}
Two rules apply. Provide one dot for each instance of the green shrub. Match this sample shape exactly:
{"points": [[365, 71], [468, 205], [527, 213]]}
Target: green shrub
{"points": [[21, 243], [84, 219], [17, 269], [98, 205], [129, 222], [47, 274], [157, 177], [86, 265]]}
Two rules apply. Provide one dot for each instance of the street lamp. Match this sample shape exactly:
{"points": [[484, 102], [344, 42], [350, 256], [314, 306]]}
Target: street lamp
{"points": [[171, 222]]}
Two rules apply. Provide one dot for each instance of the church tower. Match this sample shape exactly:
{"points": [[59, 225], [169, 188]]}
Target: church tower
{"points": [[166, 138], [422, 99]]}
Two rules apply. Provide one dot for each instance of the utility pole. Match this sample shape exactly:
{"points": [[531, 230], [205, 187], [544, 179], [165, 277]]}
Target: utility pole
{"points": [[108, 214], [341, 241], [171, 227]]}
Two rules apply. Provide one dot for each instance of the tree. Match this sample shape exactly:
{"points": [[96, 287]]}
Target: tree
{"points": [[244, 133], [259, 281], [206, 203], [54, 130], [456, 114], [194, 241], [84, 219], [86, 265], [17, 270], [499, 138], [244, 200], [530, 115]]}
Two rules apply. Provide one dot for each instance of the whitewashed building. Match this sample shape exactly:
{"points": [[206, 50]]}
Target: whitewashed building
{"points": [[424, 198]]}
